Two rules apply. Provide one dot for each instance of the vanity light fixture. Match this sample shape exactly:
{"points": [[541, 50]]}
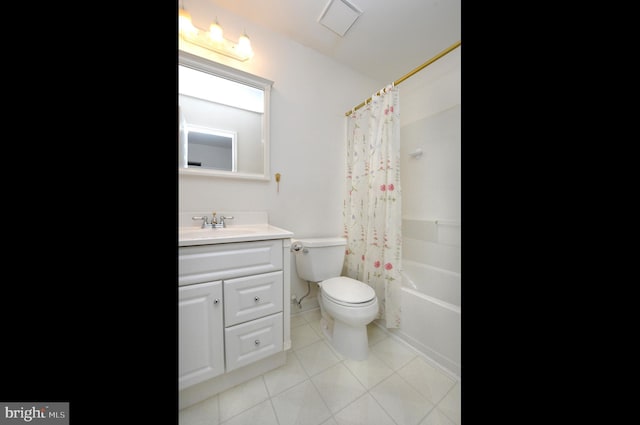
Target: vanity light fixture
{"points": [[213, 39]]}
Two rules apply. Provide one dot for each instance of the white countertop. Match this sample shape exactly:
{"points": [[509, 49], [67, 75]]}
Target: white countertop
{"points": [[189, 236]]}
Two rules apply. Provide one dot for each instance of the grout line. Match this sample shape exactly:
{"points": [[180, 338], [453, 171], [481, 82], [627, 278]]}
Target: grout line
{"points": [[378, 402], [374, 400], [275, 412], [419, 353], [445, 396], [322, 399], [433, 407]]}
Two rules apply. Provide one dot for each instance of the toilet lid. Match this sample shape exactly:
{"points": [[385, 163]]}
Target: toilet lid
{"points": [[348, 290]]}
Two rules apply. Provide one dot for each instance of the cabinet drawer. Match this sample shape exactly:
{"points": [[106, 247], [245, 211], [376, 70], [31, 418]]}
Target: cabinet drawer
{"points": [[203, 263], [251, 341], [251, 297]]}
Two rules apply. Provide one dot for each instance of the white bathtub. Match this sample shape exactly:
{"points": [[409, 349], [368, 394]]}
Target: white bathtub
{"points": [[430, 318]]}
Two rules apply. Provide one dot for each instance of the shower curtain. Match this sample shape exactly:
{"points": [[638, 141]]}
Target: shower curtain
{"points": [[371, 213]]}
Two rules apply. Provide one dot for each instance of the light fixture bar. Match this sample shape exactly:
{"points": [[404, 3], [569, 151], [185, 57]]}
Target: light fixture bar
{"points": [[213, 40], [224, 47]]}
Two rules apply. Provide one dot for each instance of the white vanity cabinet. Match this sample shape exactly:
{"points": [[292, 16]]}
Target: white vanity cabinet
{"points": [[234, 314]]}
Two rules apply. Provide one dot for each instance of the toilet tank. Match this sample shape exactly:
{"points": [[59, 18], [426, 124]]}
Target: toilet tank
{"points": [[318, 259]]}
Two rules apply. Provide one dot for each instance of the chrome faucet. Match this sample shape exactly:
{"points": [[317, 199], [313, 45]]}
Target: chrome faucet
{"points": [[221, 222], [214, 223], [205, 221]]}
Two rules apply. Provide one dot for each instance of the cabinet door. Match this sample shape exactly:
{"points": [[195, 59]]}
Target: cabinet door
{"points": [[200, 333], [252, 297]]}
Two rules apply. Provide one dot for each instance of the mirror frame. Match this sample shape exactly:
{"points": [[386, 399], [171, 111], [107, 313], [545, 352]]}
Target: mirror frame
{"points": [[206, 65]]}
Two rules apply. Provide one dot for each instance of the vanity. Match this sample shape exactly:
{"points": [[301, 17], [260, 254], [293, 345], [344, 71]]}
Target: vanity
{"points": [[233, 306]]}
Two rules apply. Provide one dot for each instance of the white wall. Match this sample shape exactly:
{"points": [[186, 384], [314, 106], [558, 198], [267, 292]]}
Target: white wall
{"points": [[308, 99], [430, 117]]}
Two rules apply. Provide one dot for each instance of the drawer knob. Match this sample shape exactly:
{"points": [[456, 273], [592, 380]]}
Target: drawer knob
{"points": [[257, 342], [216, 301], [257, 299]]}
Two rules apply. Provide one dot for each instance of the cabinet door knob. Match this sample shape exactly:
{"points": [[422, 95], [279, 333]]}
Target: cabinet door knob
{"points": [[256, 299], [216, 301], [257, 342]]}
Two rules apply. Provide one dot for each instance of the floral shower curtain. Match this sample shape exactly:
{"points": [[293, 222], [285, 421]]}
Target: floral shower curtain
{"points": [[372, 215]]}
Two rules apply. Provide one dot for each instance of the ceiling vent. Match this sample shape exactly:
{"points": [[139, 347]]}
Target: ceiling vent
{"points": [[339, 15]]}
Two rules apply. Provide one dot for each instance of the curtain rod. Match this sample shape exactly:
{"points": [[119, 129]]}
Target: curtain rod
{"points": [[409, 74]]}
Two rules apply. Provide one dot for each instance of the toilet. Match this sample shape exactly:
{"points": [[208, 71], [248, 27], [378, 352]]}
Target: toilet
{"points": [[347, 305]]}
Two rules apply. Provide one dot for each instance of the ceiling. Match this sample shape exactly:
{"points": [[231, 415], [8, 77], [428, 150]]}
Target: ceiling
{"points": [[389, 39]]}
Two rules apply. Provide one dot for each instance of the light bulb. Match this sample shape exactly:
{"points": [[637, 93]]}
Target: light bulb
{"points": [[244, 46], [215, 32], [184, 23]]}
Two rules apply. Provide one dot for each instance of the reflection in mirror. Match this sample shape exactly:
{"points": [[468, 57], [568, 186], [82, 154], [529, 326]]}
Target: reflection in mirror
{"points": [[210, 148], [223, 120]]}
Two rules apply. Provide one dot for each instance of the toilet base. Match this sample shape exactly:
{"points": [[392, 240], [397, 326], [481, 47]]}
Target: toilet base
{"points": [[350, 341]]}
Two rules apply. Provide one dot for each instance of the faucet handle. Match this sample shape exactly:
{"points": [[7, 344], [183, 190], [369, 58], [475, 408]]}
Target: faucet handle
{"points": [[204, 218], [225, 217]]}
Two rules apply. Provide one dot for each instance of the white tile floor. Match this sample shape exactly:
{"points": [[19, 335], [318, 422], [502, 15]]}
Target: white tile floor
{"points": [[317, 386]]}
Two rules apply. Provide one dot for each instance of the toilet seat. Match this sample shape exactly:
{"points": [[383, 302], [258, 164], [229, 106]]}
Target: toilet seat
{"points": [[348, 292]]}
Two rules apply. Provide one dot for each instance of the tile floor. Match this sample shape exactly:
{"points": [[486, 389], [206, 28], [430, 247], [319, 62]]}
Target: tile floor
{"points": [[396, 385]]}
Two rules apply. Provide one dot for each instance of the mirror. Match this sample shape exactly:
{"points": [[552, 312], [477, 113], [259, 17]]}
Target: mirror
{"points": [[224, 120]]}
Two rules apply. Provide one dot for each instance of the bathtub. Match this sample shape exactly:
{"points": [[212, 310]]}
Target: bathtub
{"points": [[430, 318]]}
